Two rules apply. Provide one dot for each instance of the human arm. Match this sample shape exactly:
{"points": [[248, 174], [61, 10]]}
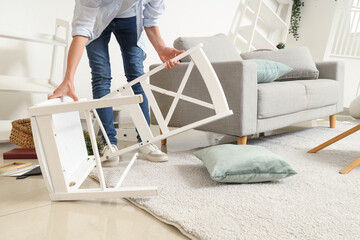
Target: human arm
{"points": [[67, 88], [82, 31], [152, 11], [165, 53]]}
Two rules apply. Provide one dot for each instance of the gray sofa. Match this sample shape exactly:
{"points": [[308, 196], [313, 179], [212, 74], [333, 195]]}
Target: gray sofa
{"points": [[257, 107]]}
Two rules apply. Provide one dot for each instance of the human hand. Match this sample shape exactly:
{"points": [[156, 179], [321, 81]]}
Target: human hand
{"points": [[166, 54], [66, 88]]}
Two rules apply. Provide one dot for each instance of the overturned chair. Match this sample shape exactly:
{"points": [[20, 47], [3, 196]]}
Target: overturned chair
{"points": [[60, 144]]}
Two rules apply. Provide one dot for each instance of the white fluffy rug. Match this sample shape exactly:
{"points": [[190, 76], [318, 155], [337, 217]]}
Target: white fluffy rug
{"points": [[317, 203]]}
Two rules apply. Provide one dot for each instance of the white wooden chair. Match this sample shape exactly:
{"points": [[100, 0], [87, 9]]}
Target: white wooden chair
{"points": [[60, 144]]}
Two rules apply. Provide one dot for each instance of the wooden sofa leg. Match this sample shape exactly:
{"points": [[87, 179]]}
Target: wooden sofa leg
{"points": [[163, 142], [242, 140], [332, 120]]}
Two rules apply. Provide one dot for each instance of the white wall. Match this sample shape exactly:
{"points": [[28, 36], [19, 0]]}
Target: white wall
{"points": [[182, 18], [315, 25], [27, 59]]}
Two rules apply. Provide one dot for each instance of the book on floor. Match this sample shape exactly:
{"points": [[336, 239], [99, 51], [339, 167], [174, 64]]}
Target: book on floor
{"points": [[20, 153]]}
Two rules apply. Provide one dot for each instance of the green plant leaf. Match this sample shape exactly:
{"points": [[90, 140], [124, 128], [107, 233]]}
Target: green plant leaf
{"points": [[88, 144], [296, 18]]}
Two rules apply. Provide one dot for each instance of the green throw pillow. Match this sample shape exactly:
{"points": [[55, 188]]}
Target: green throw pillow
{"points": [[243, 164], [268, 71]]}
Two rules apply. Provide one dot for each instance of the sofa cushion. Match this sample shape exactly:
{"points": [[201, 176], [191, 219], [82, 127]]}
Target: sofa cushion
{"points": [[218, 48], [243, 164], [320, 92], [280, 98], [298, 58]]}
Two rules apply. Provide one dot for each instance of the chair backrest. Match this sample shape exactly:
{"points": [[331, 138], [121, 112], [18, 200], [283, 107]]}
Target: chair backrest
{"points": [[60, 141]]}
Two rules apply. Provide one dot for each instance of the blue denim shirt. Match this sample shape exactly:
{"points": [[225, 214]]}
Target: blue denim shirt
{"points": [[91, 17]]}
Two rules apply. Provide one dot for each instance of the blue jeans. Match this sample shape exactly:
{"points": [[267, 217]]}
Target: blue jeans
{"points": [[125, 32]]}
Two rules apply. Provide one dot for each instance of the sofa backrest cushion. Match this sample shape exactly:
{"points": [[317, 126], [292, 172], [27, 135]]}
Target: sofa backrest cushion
{"points": [[218, 48], [298, 58]]}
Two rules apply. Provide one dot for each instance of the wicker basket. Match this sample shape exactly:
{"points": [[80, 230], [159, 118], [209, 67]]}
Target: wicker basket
{"points": [[21, 134]]}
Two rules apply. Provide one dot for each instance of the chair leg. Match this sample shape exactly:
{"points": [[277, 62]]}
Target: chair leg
{"points": [[332, 120], [335, 139], [351, 166], [242, 140], [163, 142]]}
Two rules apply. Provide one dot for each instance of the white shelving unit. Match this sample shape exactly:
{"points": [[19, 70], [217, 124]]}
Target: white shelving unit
{"points": [[260, 24], [29, 84]]}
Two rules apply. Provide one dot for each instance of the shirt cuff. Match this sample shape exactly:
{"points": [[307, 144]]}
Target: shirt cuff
{"points": [[82, 32], [152, 22]]}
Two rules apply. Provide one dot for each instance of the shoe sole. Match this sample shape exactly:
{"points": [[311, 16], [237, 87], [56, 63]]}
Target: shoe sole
{"points": [[145, 157], [110, 163]]}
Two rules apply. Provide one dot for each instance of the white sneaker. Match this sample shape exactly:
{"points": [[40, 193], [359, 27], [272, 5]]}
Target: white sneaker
{"points": [[152, 153], [112, 162]]}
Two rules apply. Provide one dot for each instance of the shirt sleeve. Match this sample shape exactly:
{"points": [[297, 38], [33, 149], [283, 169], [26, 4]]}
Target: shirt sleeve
{"points": [[84, 17], [152, 12]]}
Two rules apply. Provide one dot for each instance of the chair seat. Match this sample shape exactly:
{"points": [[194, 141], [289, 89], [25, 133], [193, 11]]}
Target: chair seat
{"points": [[285, 97]]}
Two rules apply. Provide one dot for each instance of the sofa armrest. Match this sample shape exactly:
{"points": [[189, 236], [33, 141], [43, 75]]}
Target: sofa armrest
{"points": [[334, 70], [331, 70], [239, 82]]}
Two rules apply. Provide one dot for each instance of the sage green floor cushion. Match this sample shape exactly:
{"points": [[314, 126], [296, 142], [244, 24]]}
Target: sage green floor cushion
{"points": [[243, 164]]}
